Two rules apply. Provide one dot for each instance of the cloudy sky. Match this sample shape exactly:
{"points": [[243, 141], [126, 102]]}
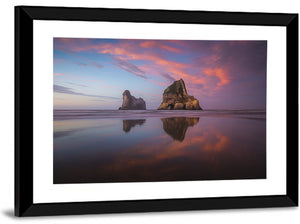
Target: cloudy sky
{"points": [[93, 73]]}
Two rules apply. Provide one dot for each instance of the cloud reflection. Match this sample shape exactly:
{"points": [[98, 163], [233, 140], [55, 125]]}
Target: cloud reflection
{"points": [[206, 149]]}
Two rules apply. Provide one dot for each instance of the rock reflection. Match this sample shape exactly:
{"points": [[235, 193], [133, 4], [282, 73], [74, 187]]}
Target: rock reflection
{"points": [[128, 124], [176, 126]]}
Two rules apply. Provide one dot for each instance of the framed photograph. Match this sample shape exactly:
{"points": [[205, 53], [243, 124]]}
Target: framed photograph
{"points": [[122, 110]]}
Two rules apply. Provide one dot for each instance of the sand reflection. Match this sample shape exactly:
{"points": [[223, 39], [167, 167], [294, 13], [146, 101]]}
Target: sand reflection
{"points": [[162, 149]]}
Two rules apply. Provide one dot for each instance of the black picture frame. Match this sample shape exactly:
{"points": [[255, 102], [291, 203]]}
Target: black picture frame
{"points": [[24, 18]]}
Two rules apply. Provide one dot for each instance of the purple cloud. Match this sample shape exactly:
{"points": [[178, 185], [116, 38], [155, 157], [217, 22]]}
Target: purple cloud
{"points": [[95, 64], [129, 67], [80, 64], [63, 89], [168, 77]]}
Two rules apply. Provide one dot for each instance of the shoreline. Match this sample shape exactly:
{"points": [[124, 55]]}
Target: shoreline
{"points": [[137, 114]]}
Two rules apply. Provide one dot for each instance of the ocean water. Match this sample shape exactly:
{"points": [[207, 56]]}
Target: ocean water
{"points": [[100, 146]]}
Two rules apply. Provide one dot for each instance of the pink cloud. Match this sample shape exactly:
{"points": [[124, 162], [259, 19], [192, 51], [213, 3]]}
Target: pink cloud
{"points": [[155, 63], [218, 72], [159, 83], [156, 44]]}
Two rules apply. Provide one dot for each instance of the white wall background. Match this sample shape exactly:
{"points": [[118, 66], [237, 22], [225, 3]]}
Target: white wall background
{"points": [[271, 215]]}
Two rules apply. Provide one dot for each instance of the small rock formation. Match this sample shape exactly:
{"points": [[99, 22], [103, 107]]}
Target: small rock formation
{"points": [[132, 103], [128, 124], [176, 127], [175, 97]]}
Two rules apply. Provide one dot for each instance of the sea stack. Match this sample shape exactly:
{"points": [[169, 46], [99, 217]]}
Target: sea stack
{"points": [[175, 97], [132, 103]]}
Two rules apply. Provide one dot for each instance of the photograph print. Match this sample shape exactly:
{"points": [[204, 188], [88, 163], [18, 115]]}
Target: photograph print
{"points": [[148, 110]]}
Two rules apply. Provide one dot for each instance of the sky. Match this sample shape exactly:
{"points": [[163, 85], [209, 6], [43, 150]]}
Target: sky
{"points": [[93, 73]]}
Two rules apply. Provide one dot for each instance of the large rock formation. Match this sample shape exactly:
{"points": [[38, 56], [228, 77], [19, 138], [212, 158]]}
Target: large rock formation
{"points": [[132, 103], [175, 97]]}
